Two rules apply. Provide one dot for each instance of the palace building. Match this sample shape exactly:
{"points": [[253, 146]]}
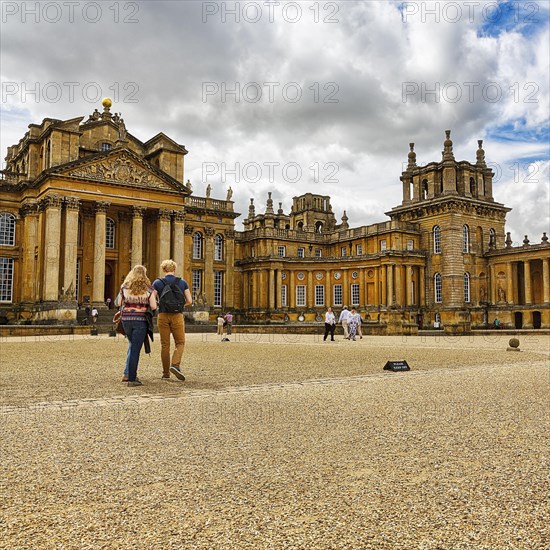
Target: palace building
{"points": [[81, 201]]}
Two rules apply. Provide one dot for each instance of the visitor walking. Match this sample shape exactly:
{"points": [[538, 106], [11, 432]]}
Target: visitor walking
{"points": [[221, 322], [228, 322], [330, 324], [95, 315], [135, 297], [344, 318], [174, 295], [354, 321]]}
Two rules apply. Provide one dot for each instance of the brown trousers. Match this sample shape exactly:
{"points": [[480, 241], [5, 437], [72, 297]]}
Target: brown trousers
{"points": [[171, 324]]}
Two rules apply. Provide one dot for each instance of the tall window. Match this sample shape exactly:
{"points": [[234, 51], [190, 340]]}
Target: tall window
{"points": [[6, 279], [7, 229], [284, 301], [196, 283], [424, 189], [218, 247], [337, 295], [465, 239], [301, 252], [109, 233], [218, 288], [467, 287], [355, 294], [300, 295], [410, 245], [77, 285], [437, 239], [359, 250], [343, 252], [318, 253], [382, 245], [319, 295], [438, 288], [197, 246], [281, 251]]}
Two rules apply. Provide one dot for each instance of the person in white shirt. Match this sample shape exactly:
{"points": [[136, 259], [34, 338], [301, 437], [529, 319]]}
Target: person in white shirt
{"points": [[221, 321], [330, 325], [344, 318], [354, 321]]}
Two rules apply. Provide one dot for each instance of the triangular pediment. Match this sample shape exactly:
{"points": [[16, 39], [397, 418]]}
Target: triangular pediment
{"points": [[121, 167]]}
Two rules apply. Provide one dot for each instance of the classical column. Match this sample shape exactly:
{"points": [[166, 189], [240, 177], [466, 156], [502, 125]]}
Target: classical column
{"points": [[291, 289], [52, 238], [389, 284], [136, 257], [376, 295], [346, 294], [163, 242], [98, 282], [178, 231], [271, 289], [509, 283], [383, 290], [72, 206], [546, 280], [209, 265], [421, 286], [399, 285], [310, 291], [493, 284], [527, 278], [229, 257], [29, 214], [408, 285]]}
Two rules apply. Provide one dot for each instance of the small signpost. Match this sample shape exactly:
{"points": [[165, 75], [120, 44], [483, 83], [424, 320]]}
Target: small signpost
{"points": [[397, 366]]}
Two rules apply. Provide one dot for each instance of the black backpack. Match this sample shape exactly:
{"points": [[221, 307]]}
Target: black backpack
{"points": [[172, 299]]}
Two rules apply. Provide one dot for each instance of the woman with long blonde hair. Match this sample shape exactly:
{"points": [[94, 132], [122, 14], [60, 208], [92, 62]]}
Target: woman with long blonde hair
{"points": [[135, 297]]}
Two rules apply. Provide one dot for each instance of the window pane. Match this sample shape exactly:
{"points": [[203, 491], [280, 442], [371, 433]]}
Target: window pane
{"points": [[355, 294], [6, 279], [218, 286], [301, 295], [283, 296], [7, 229], [337, 295], [319, 295]]}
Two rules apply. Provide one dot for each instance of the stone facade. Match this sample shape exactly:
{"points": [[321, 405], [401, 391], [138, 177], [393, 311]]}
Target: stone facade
{"points": [[83, 201]]}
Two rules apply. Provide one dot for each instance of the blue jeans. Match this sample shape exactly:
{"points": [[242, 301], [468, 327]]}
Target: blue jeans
{"points": [[136, 331]]}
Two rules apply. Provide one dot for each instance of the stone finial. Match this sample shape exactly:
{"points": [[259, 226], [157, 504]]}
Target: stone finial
{"points": [[106, 114], [269, 204], [526, 241], [480, 153], [448, 147], [508, 240], [280, 211], [345, 218], [544, 239], [251, 210], [412, 156]]}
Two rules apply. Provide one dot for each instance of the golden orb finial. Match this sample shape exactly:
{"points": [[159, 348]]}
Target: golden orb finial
{"points": [[107, 102]]}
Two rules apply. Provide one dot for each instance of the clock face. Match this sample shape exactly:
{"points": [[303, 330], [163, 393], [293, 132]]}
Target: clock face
{"points": [[337, 275], [354, 275], [318, 276], [283, 275], [301, 276]]}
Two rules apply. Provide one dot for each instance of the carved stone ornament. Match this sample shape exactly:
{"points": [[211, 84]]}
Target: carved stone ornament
{"points": [[72, 203], [50, 201], [188, 230], [164, 214], [209, 231], [229, 233], [121, 169], [138, 211], [28, 208], [179, 215], [101, 206]]}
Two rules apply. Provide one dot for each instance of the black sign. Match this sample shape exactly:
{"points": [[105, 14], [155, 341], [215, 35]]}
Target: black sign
{"points": [[396, 366]]}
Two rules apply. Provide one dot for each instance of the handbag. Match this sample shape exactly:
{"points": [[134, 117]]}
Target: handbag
{"points": [[117, 323]]}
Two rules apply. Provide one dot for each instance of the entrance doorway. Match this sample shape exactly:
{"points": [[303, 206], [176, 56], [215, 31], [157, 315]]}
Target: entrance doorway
{"points": [[518, 319], [536, 319], [109, 290]]}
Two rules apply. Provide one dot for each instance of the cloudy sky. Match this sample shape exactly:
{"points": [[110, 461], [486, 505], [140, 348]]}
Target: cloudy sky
{"points": [[295, 97]]}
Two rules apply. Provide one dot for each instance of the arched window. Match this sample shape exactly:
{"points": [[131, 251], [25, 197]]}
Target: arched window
{"points": [[218, 247], [467, 287], [7, 229], [465, 239], [492, 238], [438, 288], [437, 239], [318, 227], [106, 146], [300, 226], [197, 246], [424, 189], [109, 233], [6, 279], [47, 160]]}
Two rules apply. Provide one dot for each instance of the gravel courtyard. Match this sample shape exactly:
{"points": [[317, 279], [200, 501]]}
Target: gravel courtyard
{"points": [[276, 442]]}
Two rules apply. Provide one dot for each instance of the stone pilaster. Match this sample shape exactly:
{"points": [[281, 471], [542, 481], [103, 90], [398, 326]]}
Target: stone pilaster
{"points": [[546, 280], [178, 224], [72, 207], [98, 281], [209, 265], [52, 239], [389, 284], [509, 283], [527, 278], [29, 214], [163, 243], [229, 258], [136, 257]]}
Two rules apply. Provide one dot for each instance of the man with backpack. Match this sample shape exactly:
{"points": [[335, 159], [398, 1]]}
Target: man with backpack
{"points": [[173, 296]]}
